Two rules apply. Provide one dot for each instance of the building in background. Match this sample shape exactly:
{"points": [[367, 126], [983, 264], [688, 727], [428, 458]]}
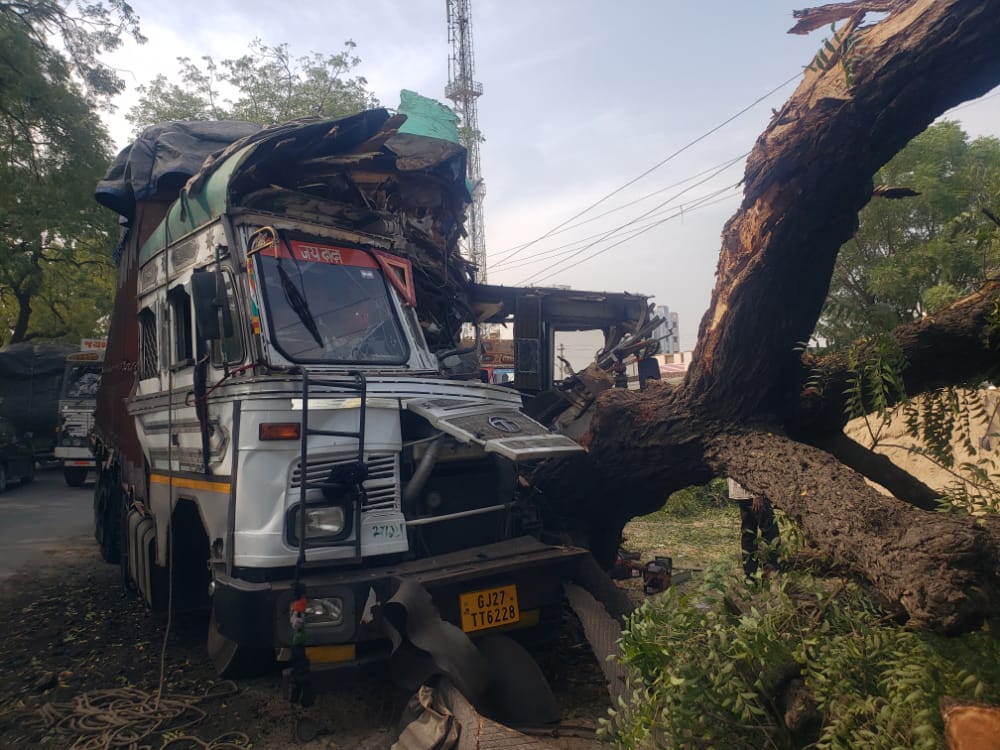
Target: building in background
{"points": [[667, 333]]}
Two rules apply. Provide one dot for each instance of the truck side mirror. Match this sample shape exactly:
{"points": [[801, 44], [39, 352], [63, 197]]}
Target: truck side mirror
{"points": [[208, 291]]}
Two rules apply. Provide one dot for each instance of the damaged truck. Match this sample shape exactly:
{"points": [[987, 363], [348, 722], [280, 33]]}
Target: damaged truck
{"points": [[289, 431]]}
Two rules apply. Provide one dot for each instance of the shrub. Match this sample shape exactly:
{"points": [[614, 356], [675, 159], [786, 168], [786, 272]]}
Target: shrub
{"points": [[710, 666]]}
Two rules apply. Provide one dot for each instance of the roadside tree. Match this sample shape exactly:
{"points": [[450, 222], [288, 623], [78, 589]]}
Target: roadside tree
{"points": [[54, 242], [266, 86], [919, 253]]}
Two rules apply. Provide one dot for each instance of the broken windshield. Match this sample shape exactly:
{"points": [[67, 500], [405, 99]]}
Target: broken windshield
{"points": [[328, 304]]}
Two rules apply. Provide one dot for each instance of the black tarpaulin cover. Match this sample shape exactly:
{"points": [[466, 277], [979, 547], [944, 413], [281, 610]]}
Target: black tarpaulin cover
{"points": [[162, 159], [31, 376]]}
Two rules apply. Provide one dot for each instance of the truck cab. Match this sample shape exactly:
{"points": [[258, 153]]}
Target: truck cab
{"points": [[77, 402]]}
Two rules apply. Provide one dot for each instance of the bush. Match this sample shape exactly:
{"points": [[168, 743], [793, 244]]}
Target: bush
{"points": [[710, 666], [693, 501]]}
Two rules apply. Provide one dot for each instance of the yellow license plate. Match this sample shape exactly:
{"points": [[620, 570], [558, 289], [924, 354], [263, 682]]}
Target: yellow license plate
{"points": [[489, 608], [331, 654]]}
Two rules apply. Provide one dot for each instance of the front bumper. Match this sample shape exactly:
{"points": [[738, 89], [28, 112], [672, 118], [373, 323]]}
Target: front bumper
{"points": [[75, 456], [256, 614]]}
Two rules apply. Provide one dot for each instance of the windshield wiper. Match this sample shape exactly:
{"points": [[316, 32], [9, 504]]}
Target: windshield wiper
{"points": [[298, 303]]}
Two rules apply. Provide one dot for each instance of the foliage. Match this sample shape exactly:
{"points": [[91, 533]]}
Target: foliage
{"points": [[838, 49], [914, 255], [692, 501], [876, 365], [710, 667], [67, 39], [54, 240], [268, 86], [939, 423], [943, 421]]}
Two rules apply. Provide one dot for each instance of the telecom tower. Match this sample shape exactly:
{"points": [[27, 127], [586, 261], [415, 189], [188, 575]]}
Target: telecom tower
{"points": [[463, 92]]}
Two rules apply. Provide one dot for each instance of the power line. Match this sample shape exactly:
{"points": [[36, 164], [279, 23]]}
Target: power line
{"points": [[728, 163], [617, 229], [659, 164], [609, 247], [540, 256], [685, 208]]}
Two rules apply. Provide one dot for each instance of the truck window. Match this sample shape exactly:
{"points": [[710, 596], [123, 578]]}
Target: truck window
{"points": [[81, 380], [327, 304], [183, 328], [233, 345], [148, 349]]}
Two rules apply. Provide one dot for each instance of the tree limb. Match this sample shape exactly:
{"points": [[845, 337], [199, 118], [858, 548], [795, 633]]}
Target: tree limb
{"points": [[879, 469], [806, 178], [811, 19], [941, 568], [954, 345]]}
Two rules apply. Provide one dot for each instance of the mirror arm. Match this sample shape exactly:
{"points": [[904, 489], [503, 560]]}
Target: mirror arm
{"points": [[220, 300]]}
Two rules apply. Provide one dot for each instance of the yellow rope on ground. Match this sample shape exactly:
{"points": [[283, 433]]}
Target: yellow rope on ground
{"points": [[134, 719]]}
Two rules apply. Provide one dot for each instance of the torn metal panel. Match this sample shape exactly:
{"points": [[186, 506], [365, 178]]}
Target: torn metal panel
{"points": [[424, 645], [505, 431]]}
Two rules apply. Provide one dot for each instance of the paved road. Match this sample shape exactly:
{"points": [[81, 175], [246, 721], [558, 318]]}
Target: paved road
{"points": [[39, 517]]}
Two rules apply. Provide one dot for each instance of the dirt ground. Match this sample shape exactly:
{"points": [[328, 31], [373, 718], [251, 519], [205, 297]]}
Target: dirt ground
{"points": [[80, 664]]}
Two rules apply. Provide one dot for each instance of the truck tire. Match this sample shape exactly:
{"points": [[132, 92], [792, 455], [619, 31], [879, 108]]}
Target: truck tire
{"points": [[75, 476], [30, 476], [107, 517], [3, 478], [233, 661]]}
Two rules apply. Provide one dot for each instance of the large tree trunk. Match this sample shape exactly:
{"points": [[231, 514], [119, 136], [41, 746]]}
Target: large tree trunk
{"points": [[807, 177]]}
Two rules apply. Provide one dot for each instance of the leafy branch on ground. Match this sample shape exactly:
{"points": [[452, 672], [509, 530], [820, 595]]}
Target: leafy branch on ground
{"points": [[804, 660]]}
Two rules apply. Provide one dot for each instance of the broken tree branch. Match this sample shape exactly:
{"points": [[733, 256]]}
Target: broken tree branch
{"points": [[941, 568], [952, 346], [811, 19]]}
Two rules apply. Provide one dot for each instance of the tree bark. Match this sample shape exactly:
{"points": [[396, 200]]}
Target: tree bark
{"points": [[806, 178], [879, 469], [940, 568]]}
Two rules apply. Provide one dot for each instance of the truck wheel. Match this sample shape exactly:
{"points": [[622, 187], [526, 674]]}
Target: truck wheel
{"points": [[107, 524], [75, 476], [30, 476], [234, 661], [3, 478]]}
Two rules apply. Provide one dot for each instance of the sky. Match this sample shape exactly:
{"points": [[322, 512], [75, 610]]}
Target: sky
{"points": [[580, 97]]}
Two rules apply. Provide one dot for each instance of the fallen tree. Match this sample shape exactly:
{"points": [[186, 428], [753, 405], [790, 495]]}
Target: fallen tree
{"points": [[740, 411]]}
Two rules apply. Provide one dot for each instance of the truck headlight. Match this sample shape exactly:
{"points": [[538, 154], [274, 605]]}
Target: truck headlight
{"points": [[327, 521], [327, 611], [323, 523]]}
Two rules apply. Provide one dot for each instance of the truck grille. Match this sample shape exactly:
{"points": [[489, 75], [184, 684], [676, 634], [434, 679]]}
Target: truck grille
{"points": [[381, 487], [77, 423]]}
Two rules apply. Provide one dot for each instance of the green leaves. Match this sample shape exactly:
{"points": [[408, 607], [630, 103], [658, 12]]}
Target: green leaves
{"points": [[55, 242], [267, 85], [701, 678], [839, 48], [912, 256]]}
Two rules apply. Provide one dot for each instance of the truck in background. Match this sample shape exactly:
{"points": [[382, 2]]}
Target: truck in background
{"points": [[288, 426], [31, 375], [77, 403]]}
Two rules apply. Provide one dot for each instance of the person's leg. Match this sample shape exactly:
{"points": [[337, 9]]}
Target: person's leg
{"points": [[769, 532], [748, 536]]}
